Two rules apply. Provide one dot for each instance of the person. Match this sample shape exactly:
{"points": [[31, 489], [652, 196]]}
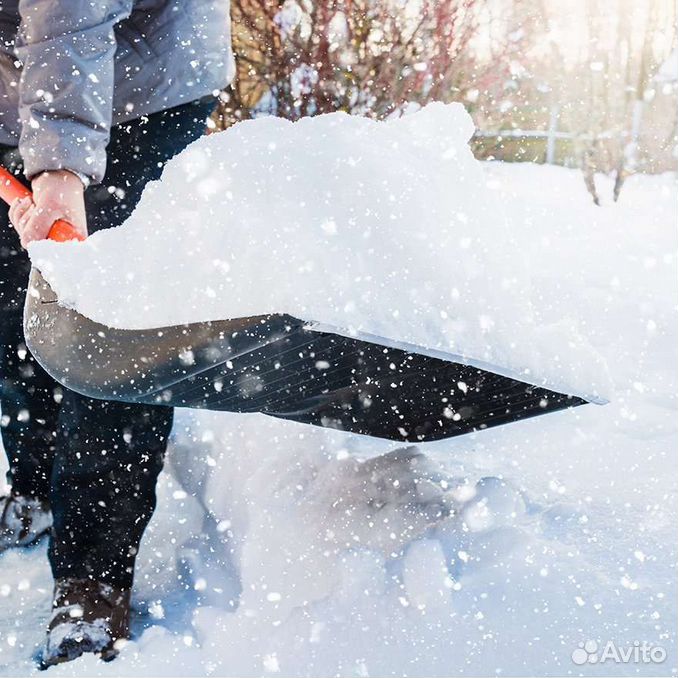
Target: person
{"points": [[94, 99]]}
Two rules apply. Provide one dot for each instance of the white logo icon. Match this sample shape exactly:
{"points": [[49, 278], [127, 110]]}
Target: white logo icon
{"points": [[586, 653]]}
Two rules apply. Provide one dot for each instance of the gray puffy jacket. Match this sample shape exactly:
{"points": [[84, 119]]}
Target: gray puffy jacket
{"points": [[69, 69]]}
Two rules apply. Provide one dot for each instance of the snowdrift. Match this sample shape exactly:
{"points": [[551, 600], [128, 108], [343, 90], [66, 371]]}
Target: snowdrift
{"points": [[286, 550], [368, 228]]}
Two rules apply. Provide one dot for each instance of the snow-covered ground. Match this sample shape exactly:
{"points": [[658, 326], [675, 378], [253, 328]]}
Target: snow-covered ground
{"points": [[283, 549]]}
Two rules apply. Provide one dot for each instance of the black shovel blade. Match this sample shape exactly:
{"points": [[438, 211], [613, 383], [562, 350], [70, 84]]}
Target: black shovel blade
{"points": [[277, 365]]}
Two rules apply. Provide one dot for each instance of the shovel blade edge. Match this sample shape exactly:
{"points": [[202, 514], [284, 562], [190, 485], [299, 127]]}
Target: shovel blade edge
{"points": [[276, 365]]}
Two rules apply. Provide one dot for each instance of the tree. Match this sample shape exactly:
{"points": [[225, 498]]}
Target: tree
{"points": [[304, 57]]}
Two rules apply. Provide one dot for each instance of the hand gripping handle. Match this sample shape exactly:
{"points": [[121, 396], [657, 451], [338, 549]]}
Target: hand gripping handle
{"points": [[11, 189]]}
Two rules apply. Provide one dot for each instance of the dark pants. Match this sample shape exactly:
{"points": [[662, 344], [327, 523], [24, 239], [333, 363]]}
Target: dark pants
{"points": [[95, 461]]}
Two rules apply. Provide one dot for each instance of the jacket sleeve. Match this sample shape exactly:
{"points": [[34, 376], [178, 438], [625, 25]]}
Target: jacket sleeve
{"points": [[67, 50]]}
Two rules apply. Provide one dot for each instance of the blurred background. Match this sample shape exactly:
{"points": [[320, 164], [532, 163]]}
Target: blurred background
{"points": [[582, 83]]}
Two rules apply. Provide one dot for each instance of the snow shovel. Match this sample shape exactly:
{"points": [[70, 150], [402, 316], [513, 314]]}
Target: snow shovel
{"points": [[276, 365]]}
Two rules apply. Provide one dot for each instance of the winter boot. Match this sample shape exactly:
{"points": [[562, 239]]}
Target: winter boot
{"points": [[23, 520], [87, 616]]}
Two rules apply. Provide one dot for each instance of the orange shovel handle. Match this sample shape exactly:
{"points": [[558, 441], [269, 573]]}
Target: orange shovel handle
{"points": [[11, 189]]}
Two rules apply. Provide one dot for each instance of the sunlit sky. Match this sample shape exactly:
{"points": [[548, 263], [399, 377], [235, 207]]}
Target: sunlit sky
{"points": [[583, 29]]}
